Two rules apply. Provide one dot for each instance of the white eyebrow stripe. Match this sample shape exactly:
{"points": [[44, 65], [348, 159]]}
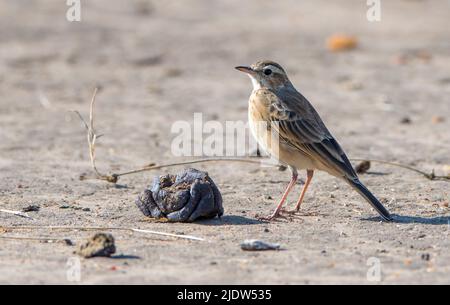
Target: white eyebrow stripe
{"points": [[274, 69]]}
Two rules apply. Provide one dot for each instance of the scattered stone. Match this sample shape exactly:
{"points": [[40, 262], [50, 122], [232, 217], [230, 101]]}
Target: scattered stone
{"points": [[31, 208], [406, 121], [258, 245], [425, 257], [101, 244], [437, 119], [363, 167], [68, 242]]}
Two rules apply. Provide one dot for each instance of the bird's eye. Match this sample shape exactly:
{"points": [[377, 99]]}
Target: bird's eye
{"points": [[267, 71]]}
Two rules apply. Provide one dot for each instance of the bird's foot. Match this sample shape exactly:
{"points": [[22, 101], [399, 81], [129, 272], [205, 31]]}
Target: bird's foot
{"points": [[274, 216]]}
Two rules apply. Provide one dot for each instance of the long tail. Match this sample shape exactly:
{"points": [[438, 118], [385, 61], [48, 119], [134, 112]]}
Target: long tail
{"points": [[363, 191]]}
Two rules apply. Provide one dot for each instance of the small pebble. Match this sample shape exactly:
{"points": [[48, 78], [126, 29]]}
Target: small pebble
{"points": [[425, 257], [31, 208], [437, 119], [101, 244], [406, 121], [258, 245], [363, 167]]}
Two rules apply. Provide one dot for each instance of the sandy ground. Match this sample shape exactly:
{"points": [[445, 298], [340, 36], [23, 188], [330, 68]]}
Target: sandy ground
{"points": [[160, 61]]}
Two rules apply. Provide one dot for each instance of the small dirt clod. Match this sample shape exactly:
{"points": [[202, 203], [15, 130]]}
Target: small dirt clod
{"points": [[363, 167], [258, 245], [101, 244]]}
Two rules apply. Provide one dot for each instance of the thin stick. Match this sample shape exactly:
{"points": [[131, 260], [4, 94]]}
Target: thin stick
{"points": [[16, 213], [113, 178], [189, 237], [430, 176], [44, 239], [169, 234], [92, 138]]}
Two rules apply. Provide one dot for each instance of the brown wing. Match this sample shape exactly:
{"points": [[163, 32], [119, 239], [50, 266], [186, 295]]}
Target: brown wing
{"points": [[298, 123]]}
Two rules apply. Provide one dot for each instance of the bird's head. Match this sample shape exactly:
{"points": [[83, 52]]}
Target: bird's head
{"points": [[266, 74]]}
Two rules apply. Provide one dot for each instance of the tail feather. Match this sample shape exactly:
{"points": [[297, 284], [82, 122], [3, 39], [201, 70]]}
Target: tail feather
{"points": [[363, 191]]}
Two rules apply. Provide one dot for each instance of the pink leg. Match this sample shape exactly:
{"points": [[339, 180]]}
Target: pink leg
{"points": [[309, 176], [285, 195]]}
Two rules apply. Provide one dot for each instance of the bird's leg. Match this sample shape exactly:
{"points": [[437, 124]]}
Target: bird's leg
{"points": [[309, 176], [276, 213]]}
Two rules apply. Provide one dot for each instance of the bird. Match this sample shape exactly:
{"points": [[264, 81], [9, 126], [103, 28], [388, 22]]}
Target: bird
{"points": [[286, 126]]}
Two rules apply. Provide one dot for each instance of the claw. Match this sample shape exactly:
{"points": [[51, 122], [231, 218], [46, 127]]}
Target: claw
{"points": [[272, 217]]}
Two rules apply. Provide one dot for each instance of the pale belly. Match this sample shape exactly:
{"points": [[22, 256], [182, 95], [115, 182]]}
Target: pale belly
{"points": [[276, 147]]}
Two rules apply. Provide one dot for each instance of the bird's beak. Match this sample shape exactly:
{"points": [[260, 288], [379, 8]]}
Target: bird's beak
{"points": [[245, 69]]}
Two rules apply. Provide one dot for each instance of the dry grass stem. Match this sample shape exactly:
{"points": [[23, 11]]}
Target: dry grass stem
{"points": [[179, 236], [16, 213], [113, 178]]}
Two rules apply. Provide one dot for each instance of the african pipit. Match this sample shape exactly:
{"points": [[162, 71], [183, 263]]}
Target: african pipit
{"points": [[303, 140]]}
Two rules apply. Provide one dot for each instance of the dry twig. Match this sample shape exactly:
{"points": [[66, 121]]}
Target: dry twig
{"points": [[40, 239], [189, 237], [429, 176], [113, 178], [92, 139], [17, 213]]}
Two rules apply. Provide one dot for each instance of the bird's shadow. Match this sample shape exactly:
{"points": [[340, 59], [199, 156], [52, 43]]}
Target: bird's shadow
{"points": [[440, 220], [125, 256], [230, 220], [377, 173]]}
